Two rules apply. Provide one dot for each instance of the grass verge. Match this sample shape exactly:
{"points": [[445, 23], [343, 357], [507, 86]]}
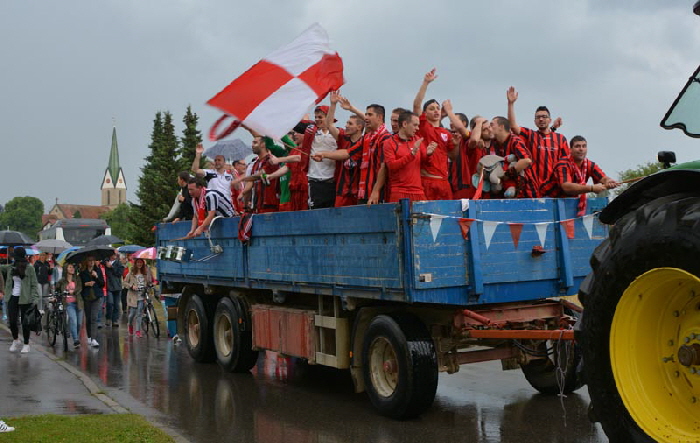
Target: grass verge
{"points": [[83, 428]]}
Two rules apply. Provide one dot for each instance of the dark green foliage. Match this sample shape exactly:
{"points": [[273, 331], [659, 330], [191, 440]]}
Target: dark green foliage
{"points": [[118, 220], [77, 214], [640, 171], [191, 137], [23, 214], [157, 184]]}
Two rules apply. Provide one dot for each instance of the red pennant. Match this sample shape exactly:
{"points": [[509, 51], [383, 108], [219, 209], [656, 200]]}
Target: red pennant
{"points": [[479, 188], [515, 230], [569, 227], [464, 225]]}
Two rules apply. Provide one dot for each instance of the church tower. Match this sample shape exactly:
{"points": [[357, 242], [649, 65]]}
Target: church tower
{"points": [[113, 184]]}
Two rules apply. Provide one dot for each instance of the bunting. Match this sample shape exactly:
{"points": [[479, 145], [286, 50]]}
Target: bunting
{"points": [[435, 224], [569, 228], [542, 232], [464, 225], [489, 229], [515, 230]]}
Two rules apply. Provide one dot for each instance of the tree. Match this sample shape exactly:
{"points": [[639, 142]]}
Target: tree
{"points": [[23, 214], [118, 220], [640, 171], [157, 184], [191, 137], [77, 214]]}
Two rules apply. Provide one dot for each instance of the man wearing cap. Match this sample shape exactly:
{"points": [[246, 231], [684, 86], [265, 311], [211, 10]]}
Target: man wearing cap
{"points": [[434, 174]]}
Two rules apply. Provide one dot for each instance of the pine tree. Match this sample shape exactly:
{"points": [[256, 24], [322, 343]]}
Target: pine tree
{"points": [[157, 184], [191, 137]]}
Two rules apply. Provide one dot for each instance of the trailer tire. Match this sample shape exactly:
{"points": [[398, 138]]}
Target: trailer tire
{"points": [[399, 365], [234, 347], [557, 373], [198, 331], [640, 303]]}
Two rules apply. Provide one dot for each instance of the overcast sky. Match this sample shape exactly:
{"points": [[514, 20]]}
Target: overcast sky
{"points": [[70, 67]]}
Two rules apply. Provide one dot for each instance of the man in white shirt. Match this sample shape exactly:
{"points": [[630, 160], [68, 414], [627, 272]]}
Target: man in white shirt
{"points": [[217, 179], [321, 174]]}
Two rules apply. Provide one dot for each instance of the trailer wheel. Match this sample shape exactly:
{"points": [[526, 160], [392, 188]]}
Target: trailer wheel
{"points": [[198, 333], [641, 325], [234, 347], [558, 372], [399, 365]]}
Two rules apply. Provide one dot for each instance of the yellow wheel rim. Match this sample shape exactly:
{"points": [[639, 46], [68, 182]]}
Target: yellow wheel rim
{"points": [[655, 353]]}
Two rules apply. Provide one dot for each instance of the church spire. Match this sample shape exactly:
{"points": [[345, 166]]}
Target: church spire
{"points": [[113, 165]]}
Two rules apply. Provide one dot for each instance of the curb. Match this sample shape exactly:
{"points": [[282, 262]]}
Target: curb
{"points": [[95, 390]]}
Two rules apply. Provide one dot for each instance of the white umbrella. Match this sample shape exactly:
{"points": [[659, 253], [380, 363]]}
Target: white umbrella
{"points": [[52, 246]]}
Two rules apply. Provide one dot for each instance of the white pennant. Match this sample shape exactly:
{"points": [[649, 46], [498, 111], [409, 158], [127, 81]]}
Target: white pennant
{"points": [[435, 223], [542, 232], [489, 230], [588, 224]]}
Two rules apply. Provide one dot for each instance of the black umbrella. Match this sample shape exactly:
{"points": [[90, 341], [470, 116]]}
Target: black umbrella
{"points": [[99, 252], [15, 238], [232, 150], [104, 240]]}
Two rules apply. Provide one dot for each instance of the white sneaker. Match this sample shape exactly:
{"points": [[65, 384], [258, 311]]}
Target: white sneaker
{"points": [[94, 343], [25, 349], [5, 428], [15, 345]]}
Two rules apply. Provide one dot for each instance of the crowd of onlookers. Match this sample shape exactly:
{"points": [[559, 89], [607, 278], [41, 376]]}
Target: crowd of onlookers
{"points": [[429, 152], [94, 293]]}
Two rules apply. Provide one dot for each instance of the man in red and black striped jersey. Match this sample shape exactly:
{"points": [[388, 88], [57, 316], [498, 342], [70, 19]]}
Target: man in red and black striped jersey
{"points": [[546, 146], [570, 177], [462, 165], [371, 187], [520, 171], [349, 152], [436, 171], [404, 154]]}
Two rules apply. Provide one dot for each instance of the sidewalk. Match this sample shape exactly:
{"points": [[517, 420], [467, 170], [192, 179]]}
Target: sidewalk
{"points": [[38, 383]]}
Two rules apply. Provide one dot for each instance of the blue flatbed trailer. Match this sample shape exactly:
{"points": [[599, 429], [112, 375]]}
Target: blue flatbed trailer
{"points": [[352, 287]]}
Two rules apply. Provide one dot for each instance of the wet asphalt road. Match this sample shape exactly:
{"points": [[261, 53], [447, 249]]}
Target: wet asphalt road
{"points": [[284, 400]]}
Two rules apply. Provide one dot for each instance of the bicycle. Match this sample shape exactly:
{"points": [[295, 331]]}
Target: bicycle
{"points": [[149, 319], [57, 320]]}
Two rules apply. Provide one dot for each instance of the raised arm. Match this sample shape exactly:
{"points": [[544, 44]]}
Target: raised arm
{"points": [[512, 96], [346, 105], [198, 151], [330, 117], [475, 140], [418, 101], [456, 121]]}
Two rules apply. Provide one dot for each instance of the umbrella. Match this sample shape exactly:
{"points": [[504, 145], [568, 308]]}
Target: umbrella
{"points": [[15, 238], [32, 251], [61, 258], [129, 249], [232, 150], [99, 252], [52, 246], [145, 254], [104, 240]]}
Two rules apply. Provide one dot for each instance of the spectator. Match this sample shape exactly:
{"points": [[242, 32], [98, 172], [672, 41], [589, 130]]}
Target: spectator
{"points": [[124, 260], [22, 288], [546, 146], [137, 282], [571, 174], [435, 172], [114, 271], [73, 302], [182, 209], [43, 271], [218, 178], [93, 295], [207, 204], [404, 154]]}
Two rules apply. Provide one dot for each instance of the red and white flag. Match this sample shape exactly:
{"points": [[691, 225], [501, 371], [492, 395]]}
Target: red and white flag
{"points": [[272, 96]]}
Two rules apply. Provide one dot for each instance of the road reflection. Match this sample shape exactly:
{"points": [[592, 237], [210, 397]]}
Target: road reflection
{"points": [[286, 400]]}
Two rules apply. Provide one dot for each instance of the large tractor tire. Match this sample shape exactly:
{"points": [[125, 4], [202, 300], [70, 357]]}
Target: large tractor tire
{"points": [[399, 365], [641, 325], [233, 338], [198, 331]]}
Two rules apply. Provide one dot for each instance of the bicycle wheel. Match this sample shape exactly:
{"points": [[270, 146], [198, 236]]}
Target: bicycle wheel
{"points": [[52, 328], [144, 322], [155, 326]]}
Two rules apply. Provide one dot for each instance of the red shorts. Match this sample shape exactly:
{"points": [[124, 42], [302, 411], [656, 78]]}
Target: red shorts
{"points": [[436, 188], [396, 196], [463, 193], [345, 200]]}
